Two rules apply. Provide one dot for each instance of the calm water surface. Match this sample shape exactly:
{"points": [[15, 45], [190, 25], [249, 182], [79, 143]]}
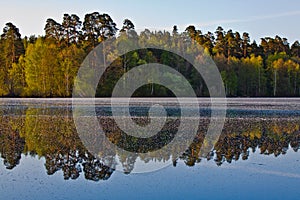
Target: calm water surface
{"points": [[256, 156]]}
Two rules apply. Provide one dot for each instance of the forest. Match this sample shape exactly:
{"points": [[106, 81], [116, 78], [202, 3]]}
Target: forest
{"points": [[45, 66]]}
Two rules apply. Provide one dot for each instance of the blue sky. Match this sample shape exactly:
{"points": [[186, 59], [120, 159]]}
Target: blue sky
{"points": [[258, 17]]}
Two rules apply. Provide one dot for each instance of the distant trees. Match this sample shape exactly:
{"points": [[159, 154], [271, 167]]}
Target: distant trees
{"points": [[98, 27], [50, 71], [11, 47], [46, 66], [71, 26], [53, 30]]}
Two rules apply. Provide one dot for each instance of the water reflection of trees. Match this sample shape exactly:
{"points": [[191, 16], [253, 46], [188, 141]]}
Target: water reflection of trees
{"points": [[50, 133], [11, 143], [269, 137]]}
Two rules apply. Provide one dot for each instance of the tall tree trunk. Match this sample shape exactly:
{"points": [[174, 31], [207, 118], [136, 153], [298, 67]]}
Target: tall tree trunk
{"points": [[295, 84], [275, 83], [259, 81]]}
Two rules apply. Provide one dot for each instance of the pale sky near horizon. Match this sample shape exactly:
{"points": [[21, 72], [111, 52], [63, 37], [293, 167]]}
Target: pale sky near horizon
{"points": [[260, 18]]}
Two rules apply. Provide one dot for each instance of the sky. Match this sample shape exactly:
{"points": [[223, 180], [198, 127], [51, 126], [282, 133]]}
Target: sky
{"points": [[260, 18]]}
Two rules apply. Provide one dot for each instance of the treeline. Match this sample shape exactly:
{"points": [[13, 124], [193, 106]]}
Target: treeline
{"points": [[51, 134], [46, 66]]}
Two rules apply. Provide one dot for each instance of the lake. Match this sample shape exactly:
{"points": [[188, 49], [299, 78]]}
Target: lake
{"points": [[43, 155]]}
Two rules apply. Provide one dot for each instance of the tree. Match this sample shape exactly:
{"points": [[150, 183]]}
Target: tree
{"points": [[292, 69], [53, 30], [238, 43], [255, 49], [42, 69], [229, 43], [295, 49], [98, 27], [191, 30], [230, 82], [127, 25], [128, 30], [277, 64], [245, 44], [17, 77], [12, 48], [219, 47], [71, 28], [70, 59], [259, 74], [208, 42], [91, 27], [175, 30], [265, 47]]}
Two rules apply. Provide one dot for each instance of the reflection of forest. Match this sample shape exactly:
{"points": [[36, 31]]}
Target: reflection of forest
{"points": [[50, 133]]}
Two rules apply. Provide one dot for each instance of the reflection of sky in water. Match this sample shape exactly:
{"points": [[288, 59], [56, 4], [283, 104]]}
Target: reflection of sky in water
{"points": [[260, 177]]}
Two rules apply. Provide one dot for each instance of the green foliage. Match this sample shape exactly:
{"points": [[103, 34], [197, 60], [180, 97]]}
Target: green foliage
{"points": [[41, 69], [17, 77], [47, 66], [12, 48]]}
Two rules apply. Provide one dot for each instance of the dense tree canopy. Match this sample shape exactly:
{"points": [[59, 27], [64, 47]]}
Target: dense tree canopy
{"points": [[46, 66]]}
